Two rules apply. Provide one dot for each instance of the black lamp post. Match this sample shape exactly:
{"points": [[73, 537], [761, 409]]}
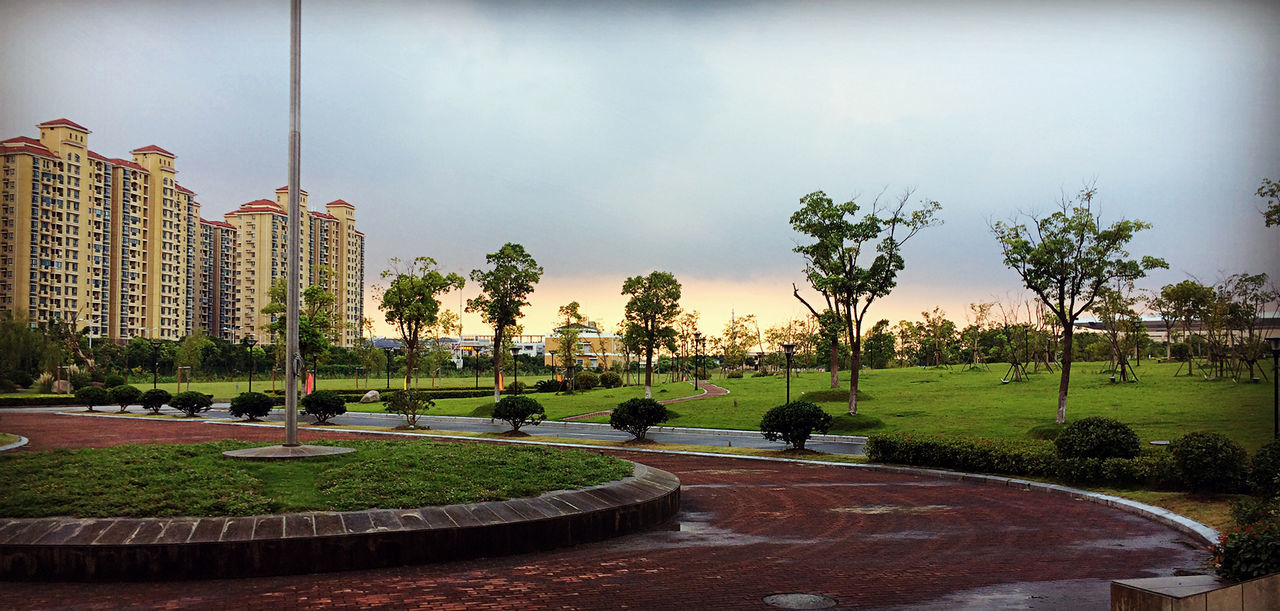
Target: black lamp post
{"points": [[387, 351], [790, 349], [515, 368], [155, 361], [697, 338], [1275, 368], [759, 361], [249, 342], [475, 360]]}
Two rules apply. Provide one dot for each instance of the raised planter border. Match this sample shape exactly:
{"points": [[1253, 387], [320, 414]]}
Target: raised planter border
{"points": [[80, 549]]}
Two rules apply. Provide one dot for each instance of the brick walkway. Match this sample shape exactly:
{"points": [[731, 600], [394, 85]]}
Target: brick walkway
{"points": [[747, 529]]}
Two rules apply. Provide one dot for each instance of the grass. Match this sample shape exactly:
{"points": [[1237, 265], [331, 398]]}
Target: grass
{"points": [[7, 438], [557, 406], [196, 480]]}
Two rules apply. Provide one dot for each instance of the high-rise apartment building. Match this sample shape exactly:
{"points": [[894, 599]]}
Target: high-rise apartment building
{"points": [[119, 247]]}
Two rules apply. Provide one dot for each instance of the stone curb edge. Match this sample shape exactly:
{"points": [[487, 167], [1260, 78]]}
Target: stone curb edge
{"points": [[22, 441]]}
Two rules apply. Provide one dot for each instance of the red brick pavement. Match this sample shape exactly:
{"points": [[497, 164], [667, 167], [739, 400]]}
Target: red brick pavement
{"points": [[747, 529]]}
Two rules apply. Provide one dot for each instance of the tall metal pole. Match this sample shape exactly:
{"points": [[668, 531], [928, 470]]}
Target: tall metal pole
{"points": [[295, 210]]}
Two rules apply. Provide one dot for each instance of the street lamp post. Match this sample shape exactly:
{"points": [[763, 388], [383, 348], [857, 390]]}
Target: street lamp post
{"points": [[697, 338], [790, 349], [701, 361], [515, 368], [387, 351], [1275, 369], [249, 342], [759, 361], [475, 360], [155, 361]]}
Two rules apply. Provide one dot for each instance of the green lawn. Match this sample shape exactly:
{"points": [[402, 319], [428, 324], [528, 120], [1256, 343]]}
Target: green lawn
{"points": [[7, 438], [196, 480], [954, 401]]}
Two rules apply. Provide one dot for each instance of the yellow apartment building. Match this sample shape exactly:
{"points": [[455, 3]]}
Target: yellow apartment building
{"points": [[119, 245], [595, 348]]}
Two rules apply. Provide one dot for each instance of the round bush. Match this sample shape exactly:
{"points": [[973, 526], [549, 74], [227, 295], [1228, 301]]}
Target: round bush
{"points": [[519, 410], [154, 399], [113, 380], [636, 416], [7, 385], [92, 395], [251, 405], [585, 380], [1209, 462], [124, 395], [1248, 551], [323, 405], [191, 402], [21, 378], [516, 387], [80, 380], [734, 374], [410, 403], [793, 423], [1264, 471], [610, 379], [1097, 437]]}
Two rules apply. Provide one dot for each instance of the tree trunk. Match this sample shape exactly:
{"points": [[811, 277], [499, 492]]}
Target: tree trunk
{"points": [[855, 358], [648, 373], [1067, 338]]}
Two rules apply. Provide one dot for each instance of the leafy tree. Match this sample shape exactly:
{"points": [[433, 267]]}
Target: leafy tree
{"points": [[794, 423], [843, 242], [411, 303], [504, 290], [318, 326], [154, 399], [637, 416], [124, 395], [1065, 258], [251, 405], [879, 345], [191, 402], [192, 349], [410, 403], [1270, 192], [652, 308], [519, 410], [90, 396], [1185, 302], [568, 334]]}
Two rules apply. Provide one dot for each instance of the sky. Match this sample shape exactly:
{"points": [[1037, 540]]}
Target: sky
{"points": [[614, 139]]}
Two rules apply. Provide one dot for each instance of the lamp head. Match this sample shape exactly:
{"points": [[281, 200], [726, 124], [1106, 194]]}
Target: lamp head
{"points": [[1275, 344], [790, 349], [515, 351], [250, 341]]}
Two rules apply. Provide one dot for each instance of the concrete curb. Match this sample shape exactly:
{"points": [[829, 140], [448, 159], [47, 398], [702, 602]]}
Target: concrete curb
{"points": [[22, 441]]}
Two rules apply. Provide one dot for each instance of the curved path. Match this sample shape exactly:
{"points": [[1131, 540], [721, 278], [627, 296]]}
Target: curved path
{"points": [[709, 390], [747, 529]]}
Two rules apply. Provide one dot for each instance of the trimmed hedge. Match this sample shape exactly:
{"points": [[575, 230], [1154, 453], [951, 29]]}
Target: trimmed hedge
{"points": [[352, 396], [963, 454], [1098, 437], [1210, 462]]}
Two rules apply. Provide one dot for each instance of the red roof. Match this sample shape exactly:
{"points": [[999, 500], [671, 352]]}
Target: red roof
{"points": [[93, 155], [183, 189], [153, 149], [65, 122], [23, 144], [338, 202], [286, 188], [257, 205], [358, 232], [322, 215], [222, 224], [128, 164]]}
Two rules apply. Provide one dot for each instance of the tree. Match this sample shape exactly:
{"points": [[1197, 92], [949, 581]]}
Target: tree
{"points": [[879, 344], [191, 350], [503, 292], [191, 402], [568, 334], [1185, 302], [637, 416], [251, 405], [519, 410], [1065, 258], [410, 304], [124, 396], [653, 307], [410, 403], [1270, 192], [843, 242], [794, 423], [318, 327]]}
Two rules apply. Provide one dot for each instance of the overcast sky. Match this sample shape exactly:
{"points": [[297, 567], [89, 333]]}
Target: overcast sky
{"points": [[613, 139]]}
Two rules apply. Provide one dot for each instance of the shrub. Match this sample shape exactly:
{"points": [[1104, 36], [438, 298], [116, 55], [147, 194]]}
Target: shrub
{"points": [[1180, 351], [585, 380], [793, 423], [1264, 471], [124, 395], [1252, 509], [7, 385], [964, 454], [761, 374], [1209, 462], [636, 416], [191, 402], [1248, 551], [45, 383], [736, 374], [324, 404], [610, 379], [80, 380], [1097, 437], [251, 405], [154, 399], [548, 385], [90, 396], [519, 410], [515, 387], [21, 378], [409, 403], [113, 381]]}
